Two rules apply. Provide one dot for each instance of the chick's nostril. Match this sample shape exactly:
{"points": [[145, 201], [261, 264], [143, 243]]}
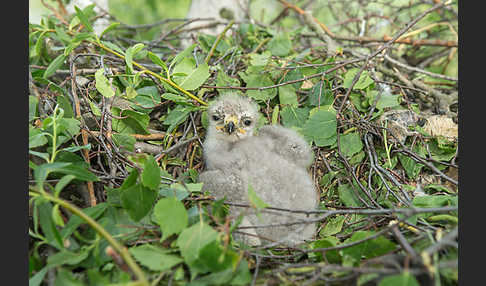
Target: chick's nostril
{"points": [[230, 127]]}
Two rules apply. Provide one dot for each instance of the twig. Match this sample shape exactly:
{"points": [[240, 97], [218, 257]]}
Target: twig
{"points": [[218, 39]]}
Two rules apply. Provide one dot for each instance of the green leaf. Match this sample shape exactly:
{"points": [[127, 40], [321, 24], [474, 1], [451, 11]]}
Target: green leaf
{"points": [[79, 171], [255, 201], [193, 239], [287, 95], [213, 257], [66, 277], [82, 17], [275, 114], [62, 183], [259, 80], [154, 258], [280, 45], [130, 53], [37, 279], [333, 226], [42, 171], [113, 47], [369, 248], [412, 168], [33, 101], [185, 53], [403, 279], [260, 59], [47, 225], [65, 104], [363, 82], [332, 256], [151, 173], [36, 138], [54, 65], [194, 77], [125, 141], [434, 201], [351, 144], [177, 116], [321, 128], [387, 101], [109, 28], [75, 221], [102, 84], [294, 117], [138, 201], [133, 122], [171, 215], [320, 95], [156, 60], [67, 257], [348, 197]]}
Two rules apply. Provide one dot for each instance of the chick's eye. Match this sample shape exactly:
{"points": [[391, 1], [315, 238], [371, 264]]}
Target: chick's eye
{"points": [[247, 122], [215, 117]]}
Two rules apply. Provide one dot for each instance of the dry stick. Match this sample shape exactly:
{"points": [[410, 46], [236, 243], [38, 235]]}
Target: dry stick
{"points": [[403, 241], [287, 82], [84, 133], [446, 240], [428, 164], [174, 30], [389, 43], [368, 39], [218, 39], [405, 66]]}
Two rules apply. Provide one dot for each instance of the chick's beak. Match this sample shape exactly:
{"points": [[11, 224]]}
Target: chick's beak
{"points": [[231, 124]]}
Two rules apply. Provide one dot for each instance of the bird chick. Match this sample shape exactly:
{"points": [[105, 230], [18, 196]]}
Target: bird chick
{"points": [[273, 162]]}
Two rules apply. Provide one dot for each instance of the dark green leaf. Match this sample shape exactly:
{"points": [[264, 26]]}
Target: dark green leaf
{"points": [[54, 65], [403, 279], [321, 128], [32, 107], [151, 173], [67, 257], [109, 28], [75, 221], [363, 82], [102, 84], [294, 117], [125, 141], [348, 197], [193, 239], [154, 258], [47, 225], [351, 144], [333, 226], [171, 215], [130, 53], [65, 104], [156, 60], [287, 95], [83, 18], [280, 45], [79, 171], [194, 77], [369, 248], [138, 201]]}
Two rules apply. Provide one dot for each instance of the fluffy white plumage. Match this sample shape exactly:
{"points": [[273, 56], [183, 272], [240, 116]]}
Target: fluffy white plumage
{"points": [[273, 162]]}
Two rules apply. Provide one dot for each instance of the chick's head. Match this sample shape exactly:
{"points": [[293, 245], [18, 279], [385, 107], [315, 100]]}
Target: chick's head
{"points": [[232, 117]]}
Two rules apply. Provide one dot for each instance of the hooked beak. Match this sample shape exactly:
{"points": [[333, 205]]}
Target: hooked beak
{"points": [[230, 127], [231, 123]]}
